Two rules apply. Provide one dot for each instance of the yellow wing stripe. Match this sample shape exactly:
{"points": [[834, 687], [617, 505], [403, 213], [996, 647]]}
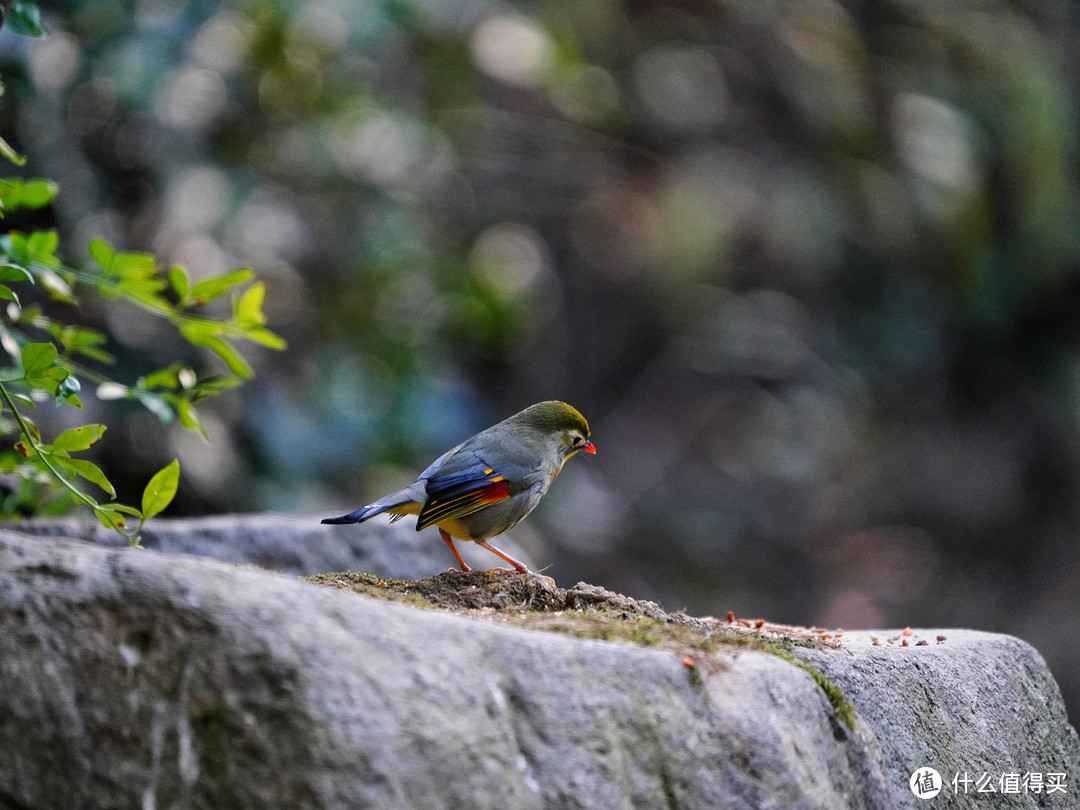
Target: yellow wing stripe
{"points": [[461, 505]]}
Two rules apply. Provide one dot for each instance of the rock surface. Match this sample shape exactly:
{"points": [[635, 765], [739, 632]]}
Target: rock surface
{"points": [[131, 679], [291, 544]]}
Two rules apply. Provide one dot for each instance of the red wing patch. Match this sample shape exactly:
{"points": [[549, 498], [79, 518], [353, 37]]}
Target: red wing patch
{"points": [[463, 503], [498, 491]]}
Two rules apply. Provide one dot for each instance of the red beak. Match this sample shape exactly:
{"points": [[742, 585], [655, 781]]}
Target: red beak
{"points": [[589, 448]]}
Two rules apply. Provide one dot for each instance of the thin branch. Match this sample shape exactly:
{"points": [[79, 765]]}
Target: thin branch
{"points": [[75, 491]]}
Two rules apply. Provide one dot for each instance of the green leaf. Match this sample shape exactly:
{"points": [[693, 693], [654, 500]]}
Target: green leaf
{"points": [[52, 379], [42, 383], [196, 331], [105, 287], [266, 338], [36, 193], [248, 307], [111, 517], [216, 286], [8, 294], [86, 469], [162, 378], [134, 266], [37, 247], [237, 364], [59, 374], [202, 333], [190, 419], [24, 18], [80, 438], [143, 293], [160, 490], [178, 277], [41, 247], [13, 272], [101, 252], [36, 357], [127, 510], [77, 340], [209, 386]]}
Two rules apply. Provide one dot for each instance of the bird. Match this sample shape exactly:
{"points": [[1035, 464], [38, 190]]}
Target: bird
{"points": [[488, 483]]}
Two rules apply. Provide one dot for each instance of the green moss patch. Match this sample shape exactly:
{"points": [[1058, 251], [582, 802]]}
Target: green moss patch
{"points": [[590, 612]]}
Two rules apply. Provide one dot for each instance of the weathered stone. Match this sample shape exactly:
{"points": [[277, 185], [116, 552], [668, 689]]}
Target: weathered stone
{"points": [[973, 703], [292, 544], [131, 679]]}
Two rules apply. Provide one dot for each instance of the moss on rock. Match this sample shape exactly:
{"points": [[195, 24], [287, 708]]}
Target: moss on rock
{"points": [[588, 611]]}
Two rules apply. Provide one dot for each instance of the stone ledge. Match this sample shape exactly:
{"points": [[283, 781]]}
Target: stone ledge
{"points": [[291, 544], [134, 679]]}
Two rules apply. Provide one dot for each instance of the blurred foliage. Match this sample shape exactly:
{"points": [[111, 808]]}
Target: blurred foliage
{"points": [[44, 478], [809, 267]]}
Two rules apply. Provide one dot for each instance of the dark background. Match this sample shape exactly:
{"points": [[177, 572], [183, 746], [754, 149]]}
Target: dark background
{"points": [[811, 269]]}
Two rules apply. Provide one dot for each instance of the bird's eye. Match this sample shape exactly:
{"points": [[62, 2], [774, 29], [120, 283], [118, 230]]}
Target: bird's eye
{"points": [[578, 441]]}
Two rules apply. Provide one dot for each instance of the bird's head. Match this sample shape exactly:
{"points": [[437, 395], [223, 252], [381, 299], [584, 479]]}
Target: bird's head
{"points": [[560, 421]]}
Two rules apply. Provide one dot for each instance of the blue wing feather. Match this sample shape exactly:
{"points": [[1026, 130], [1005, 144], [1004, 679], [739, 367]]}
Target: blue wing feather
{"points": [[445, 485], [463, 484]]}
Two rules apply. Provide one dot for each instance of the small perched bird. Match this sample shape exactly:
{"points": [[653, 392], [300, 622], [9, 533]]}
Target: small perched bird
{"points": [[486, 484]]}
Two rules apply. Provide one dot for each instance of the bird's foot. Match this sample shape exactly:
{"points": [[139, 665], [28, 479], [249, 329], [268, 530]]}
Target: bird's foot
{"points": [[450, 545], [524, 572]]}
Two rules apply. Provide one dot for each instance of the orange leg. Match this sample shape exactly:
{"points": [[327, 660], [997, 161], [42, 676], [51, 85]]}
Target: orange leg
{"points": [[453, 550], [518, 565]]}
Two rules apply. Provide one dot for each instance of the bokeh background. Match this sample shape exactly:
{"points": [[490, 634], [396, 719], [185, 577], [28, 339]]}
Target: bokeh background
{"points": [[810, 268]]}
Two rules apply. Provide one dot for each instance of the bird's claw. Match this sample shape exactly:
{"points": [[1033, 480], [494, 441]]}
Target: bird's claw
{"points": [[493, 571]]}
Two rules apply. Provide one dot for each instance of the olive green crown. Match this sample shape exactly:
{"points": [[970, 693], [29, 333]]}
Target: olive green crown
{"points": [[553, 416]]}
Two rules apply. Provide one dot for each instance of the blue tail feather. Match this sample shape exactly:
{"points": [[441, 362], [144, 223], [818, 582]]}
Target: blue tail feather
{"points": [[372, 509], [359, 516]]}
